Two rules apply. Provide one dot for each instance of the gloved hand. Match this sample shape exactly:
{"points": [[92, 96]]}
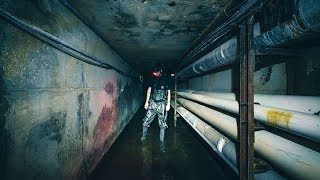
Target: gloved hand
{"points": [[168, 107], [146, 105]]}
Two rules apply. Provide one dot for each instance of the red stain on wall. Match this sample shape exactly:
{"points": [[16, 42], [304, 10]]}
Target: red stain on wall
{"points": [[105, 130], [109, 88], [104, 134]]}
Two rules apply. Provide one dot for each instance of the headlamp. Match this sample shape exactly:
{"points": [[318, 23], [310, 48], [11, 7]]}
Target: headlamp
{"points": [[156, 74]]}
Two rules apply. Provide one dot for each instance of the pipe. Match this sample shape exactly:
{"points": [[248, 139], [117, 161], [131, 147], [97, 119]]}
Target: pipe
{"points": [[210, 135], [208, 38], [305, 20], [302, 124], [223, 55], [304, 104], [225, 148], [296, 160], [60, 44]]}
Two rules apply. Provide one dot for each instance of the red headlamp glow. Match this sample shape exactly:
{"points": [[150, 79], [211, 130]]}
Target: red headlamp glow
{"points": [[156, 74]]}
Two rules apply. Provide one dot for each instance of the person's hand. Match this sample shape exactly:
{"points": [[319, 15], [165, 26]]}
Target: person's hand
{"points": [[146, 105], [168, 107]]}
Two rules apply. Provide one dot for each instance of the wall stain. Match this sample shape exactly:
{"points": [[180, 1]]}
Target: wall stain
{"points": [[42, 147], [109, 88], [104, 133], [125, 20], [279, 117], [83, 113], [265, 78], [51, 129]]}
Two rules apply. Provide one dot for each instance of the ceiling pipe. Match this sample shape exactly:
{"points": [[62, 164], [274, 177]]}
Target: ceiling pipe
{"points": [[304, 104], [296, 160], [226, 21], [224, 147], [305, 21], [302, 124]]}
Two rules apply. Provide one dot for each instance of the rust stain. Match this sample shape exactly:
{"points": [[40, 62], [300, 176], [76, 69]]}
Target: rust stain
{"points": [[104, 134], [279, 117]]}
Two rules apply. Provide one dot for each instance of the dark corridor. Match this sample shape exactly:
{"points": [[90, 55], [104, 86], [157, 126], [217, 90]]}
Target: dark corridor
{"points": [[245, 80], [183, 156]]}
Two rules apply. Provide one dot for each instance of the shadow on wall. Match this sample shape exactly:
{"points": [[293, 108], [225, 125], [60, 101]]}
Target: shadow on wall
{"points": [[4, 136]]}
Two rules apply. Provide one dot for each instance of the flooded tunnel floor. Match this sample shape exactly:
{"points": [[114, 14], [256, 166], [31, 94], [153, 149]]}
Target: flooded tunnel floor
{"points": [[183, 156]]}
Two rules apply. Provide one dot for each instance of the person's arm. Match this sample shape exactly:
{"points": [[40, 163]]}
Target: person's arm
{"points": [[146, 104], [168, 100]]}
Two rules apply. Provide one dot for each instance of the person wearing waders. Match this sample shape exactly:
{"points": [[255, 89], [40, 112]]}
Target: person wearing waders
{"points": [[157, 102]]}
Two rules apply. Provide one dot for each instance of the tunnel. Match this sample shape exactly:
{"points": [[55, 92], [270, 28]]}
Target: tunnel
{"points": [[242, 97]]}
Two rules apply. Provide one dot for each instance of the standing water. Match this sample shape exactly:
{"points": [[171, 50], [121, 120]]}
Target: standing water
{"points": [[184, 155]]}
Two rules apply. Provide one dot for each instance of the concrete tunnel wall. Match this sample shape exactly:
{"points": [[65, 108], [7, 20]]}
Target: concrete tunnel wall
{"points": [[58, 115]]}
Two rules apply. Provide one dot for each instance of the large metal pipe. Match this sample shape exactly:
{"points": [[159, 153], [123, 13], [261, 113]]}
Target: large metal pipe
{"points": [[223, 55], [305, 20], [304, 104], [302, 124], [211, 136], [224, 147], [296, 160]]}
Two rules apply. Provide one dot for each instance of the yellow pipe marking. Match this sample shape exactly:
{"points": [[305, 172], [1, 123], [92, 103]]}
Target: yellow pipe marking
{"points": [[279, 117]]}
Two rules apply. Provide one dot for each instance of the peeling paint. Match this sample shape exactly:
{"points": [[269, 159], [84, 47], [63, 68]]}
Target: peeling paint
{"points": [[279, 117]]}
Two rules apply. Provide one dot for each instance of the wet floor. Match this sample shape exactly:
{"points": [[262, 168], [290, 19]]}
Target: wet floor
{"points": [[184, 155]]}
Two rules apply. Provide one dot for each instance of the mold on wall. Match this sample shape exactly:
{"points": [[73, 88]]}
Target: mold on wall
{"points": [[58, 115]]}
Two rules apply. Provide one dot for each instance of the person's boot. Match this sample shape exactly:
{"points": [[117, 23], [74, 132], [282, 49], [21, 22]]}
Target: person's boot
{"points": [[162, 133], [144, 133], [162, 144]]}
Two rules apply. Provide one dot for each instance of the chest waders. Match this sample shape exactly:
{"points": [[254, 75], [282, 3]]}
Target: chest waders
{"points": [[157, 106]]}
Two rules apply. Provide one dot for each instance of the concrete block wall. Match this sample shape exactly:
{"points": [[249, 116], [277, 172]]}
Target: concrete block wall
{"points": [[58, 115]]}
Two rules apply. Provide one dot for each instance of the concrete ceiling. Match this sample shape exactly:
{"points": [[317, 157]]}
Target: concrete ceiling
{"points": [[148, 31]]}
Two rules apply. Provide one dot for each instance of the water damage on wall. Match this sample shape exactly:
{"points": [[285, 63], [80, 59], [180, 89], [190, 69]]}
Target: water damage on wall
{"points": [[113, 117], [57, 128], [105, 130], [43, 141]]}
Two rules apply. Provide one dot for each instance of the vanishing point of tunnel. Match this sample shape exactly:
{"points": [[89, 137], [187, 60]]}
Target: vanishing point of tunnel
{"points": [[241, 80]]}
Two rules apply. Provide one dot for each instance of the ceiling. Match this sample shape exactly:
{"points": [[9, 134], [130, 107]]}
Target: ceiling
{"points": [[145, 32]]}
